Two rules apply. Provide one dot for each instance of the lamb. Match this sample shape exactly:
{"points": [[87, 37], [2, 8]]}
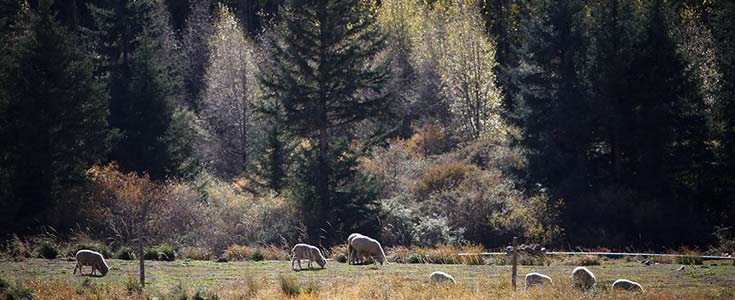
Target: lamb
{"points": [[537, 279], [583, 278], [627, 285], [305, 251], [365, 247], [92, 259], [441, 277], [351, 259]]}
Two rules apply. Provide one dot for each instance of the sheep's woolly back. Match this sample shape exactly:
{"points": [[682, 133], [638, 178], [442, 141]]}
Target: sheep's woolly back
{"points": [[93, 259], [627, 285], [440, 277], [539, 279], [351, 251], [583, 278], [306, 251], [365, 246]]}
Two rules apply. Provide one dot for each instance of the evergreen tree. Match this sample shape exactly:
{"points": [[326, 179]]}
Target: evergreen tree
{"points": [[550, 97], [723, 31], [324, 73], [145, 86], [54, 118]]}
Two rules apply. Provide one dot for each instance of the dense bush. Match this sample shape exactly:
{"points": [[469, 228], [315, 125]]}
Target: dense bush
{"points": [[47, 249], [163, 252], [465, 194], [195, 253]]}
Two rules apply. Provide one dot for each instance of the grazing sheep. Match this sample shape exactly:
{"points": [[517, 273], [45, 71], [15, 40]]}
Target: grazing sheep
{"points": [[351, 254], [92, 259], [441, 277], [583, 278], [305, 251], [627, 285], [365, 247], [537, 279]]}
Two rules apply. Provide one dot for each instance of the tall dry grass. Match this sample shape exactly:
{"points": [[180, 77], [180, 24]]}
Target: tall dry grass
{"points": [[379, 287]]}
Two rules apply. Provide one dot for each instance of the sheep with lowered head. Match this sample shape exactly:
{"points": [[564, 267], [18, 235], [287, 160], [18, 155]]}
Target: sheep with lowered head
{"points": [[583, 278], [441, 277], [351, 254], [627, 285], [537, 279], [92, 259], [305, 251], [366, 247]]}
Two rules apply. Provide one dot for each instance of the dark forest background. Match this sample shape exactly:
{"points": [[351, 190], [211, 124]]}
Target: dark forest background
{"points": [[571, 123]]}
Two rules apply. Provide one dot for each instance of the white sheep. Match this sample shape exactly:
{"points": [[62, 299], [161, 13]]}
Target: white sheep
{"points": [[305, 251], [441, 277], [366, 247], [351, 254], [583, 278], [92, 259], [537, 279], [627, 285]]}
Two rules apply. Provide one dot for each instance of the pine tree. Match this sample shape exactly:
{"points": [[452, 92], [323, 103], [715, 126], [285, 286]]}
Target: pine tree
{"points": [[325, 74], [550, 97], [723, 31], [54, 123], [145, 86]]}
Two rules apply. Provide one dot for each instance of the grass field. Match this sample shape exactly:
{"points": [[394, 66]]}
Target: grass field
{"points": [[53, 279]]}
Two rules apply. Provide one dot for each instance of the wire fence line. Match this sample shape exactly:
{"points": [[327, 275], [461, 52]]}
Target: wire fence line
{"points": [[608, 254]]}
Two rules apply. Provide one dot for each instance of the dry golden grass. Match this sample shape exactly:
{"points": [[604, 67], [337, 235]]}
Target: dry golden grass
{"points": [[383, 287]]}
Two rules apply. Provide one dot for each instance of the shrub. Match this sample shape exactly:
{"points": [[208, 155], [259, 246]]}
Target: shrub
{"points": [[311, 288], [252, 286], [273, 252], [398, 254], [689, 260], [178, 292], [472, 259], [164, 252], [4, 284], [690, 257], [47, 249], [257, 255], [443, 254], [150, 253], [125, 253], [338, 253], [195, 253], [89, 245], [442, 176], [132, 285], [19, 293], [17, 248], [582, 260], [289, 286], [237, 252], [203, 294]]}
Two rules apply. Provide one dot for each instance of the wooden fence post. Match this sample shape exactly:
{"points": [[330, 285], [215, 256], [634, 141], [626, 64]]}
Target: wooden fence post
{"points": [[515, 262]]}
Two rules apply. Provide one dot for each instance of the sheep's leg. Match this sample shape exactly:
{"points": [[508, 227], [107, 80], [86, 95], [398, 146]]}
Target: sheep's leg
{"points": [[293, 260], [75, 269], [299, 261]]}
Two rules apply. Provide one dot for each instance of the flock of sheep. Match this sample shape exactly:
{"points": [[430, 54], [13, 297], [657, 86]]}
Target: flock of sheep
{"points": [[360, 248]]}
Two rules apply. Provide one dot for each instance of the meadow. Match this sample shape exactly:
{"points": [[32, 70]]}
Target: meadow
{"points": [[189, 279]]}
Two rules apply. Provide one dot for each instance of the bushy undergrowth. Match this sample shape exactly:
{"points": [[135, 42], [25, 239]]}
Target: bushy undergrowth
{"points": [[442, 254], [195, 253], [256, 253], [47, 249], [466, 194], [163, 252]]}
